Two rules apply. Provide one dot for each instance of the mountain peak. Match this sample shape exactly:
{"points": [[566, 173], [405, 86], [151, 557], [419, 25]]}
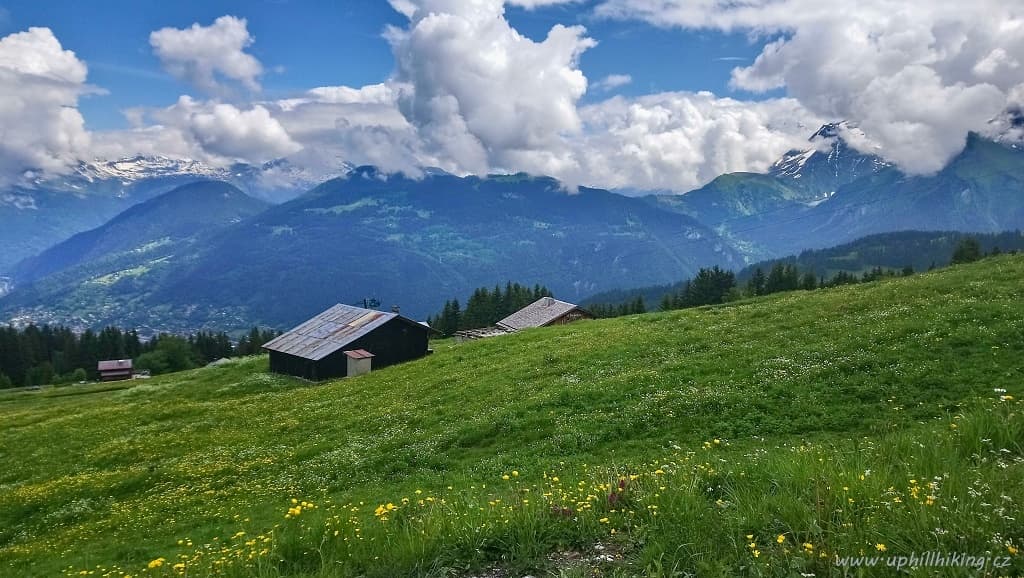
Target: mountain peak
{"points": [[829, 130], [1008, 127]]}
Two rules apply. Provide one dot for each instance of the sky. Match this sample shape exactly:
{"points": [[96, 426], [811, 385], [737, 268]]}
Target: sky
{"points": [[640, 94]]}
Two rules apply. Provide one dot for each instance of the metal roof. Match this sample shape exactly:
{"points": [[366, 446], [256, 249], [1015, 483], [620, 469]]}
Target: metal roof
{"points": [[330, 331], [114, 365], [537, 314]]}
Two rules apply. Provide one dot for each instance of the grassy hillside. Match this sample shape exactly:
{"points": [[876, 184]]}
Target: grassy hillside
{"points": [[765, 437]]}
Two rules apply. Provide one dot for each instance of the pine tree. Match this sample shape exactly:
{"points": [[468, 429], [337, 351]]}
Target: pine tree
{"points": [[666, 303], [809, 282], [967, 250], [756, 284]]}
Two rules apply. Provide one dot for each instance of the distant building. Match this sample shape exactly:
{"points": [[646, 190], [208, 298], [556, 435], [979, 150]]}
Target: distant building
{"points": [[322, 347], [115, 369], [543, 312]]}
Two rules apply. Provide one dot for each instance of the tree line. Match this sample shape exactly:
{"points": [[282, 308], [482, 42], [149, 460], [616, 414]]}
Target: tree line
{"points": [[45, 354], [712, 286], [485, 307]]}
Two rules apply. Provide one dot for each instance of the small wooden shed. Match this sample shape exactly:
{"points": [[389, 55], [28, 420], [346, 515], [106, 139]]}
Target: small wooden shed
{"points": [[115, 369], [318, 349], [360, 361]]}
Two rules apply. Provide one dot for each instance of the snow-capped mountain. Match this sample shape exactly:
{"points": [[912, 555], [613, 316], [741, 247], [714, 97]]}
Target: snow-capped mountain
{"points": [[275, 181], [830, 162], [1008, 127], [135, 168]]}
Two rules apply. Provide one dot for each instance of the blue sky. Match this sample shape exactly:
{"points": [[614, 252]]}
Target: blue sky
{"points": [[476, 86], [305, 44]]}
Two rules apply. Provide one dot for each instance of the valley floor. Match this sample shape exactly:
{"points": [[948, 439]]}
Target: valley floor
{"points": [[792, 435]]}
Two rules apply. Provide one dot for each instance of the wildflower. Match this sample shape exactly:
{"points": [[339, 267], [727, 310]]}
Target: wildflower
{"points": [[1011, 549], [780, 539], [603, 520], [156, 563], [880, 547], [1006, 398], [505, 477], [808, 546], [515, 473], [757, 553]]}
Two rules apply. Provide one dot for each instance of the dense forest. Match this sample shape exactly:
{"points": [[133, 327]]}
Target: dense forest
{"points": [[47, 354]]}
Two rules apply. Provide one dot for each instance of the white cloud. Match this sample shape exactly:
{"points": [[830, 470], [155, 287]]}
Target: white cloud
{"points": [[213, 132], [679, 140], [355, 125], [479, 93], [915, 76], [40, 125], [613, 81], [206, 56]]}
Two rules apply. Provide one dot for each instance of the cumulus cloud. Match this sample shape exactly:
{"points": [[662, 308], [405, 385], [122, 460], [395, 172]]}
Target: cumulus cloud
{"points": [[613, 81], [679, 140], [355, 125], [207, 56], [214, 132], [915, 76], [479, 93], [40, 125]]}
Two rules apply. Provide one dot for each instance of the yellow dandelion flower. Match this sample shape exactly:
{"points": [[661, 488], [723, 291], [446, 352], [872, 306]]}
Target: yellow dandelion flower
{"points": [[781, 538], [880, 547]]}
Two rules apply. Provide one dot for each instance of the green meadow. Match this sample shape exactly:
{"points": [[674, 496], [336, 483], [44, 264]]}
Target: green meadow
{"points": [[790, 435]]}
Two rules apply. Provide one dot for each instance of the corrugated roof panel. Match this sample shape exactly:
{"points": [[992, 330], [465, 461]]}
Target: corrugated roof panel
{"points": [[537, 314], [329, 331]]}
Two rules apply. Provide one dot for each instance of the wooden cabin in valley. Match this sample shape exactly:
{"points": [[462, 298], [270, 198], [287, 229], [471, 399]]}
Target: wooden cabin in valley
{"points": [[347, 341]]}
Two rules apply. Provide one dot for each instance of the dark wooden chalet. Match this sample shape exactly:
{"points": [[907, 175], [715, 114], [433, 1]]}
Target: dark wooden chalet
{"points": [[115, 369], [316, 350]]}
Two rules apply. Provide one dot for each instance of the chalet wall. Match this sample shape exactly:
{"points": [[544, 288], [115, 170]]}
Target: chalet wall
{"points": [[394, 342]]}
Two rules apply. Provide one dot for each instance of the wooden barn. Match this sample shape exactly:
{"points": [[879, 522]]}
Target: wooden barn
{"points": [[542, 313], [115, 369], [347, 340]]}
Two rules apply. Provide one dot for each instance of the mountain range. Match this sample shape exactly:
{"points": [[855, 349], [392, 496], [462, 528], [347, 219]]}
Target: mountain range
{"points": [[42, 211], [210, 255]]}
